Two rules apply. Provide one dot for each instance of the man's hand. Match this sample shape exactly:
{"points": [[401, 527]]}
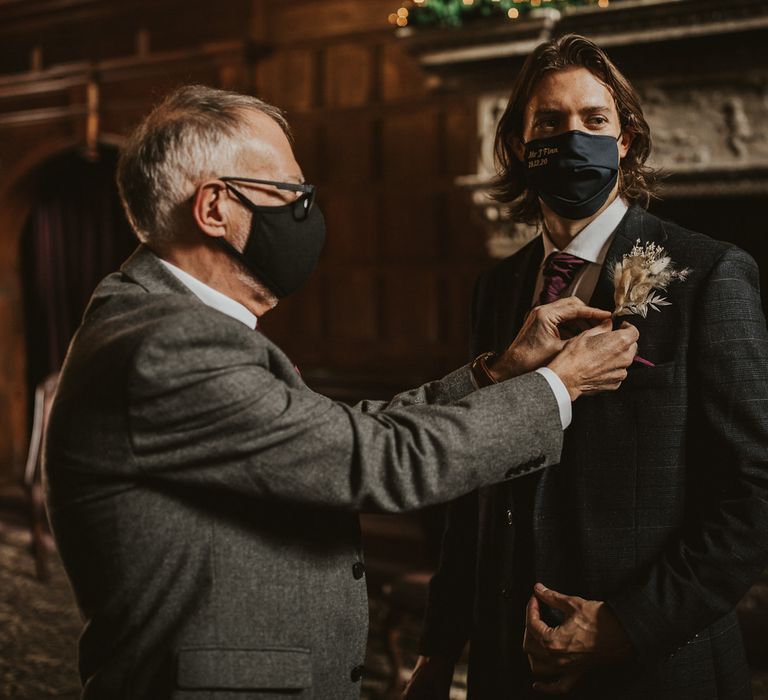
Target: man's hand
{"points": [[543, 336], [430, 680], [597, 359], [589, 635]]}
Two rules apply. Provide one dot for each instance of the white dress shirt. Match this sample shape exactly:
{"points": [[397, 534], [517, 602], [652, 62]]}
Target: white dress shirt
{"points": [[212, 297], [591, 244]]}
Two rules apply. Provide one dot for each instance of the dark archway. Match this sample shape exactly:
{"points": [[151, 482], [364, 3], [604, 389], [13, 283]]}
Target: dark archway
{"points": [[75, 235]]}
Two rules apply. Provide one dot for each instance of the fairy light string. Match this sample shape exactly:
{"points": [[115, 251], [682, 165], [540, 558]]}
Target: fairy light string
{"points": [[458, 13]]}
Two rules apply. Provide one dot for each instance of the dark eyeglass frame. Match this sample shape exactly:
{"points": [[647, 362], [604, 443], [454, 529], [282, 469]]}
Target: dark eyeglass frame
{"points": [[301, 207]]}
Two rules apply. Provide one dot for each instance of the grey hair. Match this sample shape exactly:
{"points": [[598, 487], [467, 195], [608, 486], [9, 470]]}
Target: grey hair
{"points": [[195, 133]]}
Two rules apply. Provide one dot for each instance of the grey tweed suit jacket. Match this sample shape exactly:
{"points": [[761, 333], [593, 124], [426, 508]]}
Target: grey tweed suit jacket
{"points": [[659, 505], [204, 499]]}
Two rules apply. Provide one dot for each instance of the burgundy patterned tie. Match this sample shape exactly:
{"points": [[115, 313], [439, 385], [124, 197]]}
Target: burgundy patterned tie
{"points": [[559, 271]]}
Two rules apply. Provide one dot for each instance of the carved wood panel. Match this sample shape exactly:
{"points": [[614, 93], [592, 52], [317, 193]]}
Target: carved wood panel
{"points": [[348, 73]]}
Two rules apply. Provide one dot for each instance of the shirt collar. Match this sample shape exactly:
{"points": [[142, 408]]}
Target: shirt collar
{"points": [[593, 241], [212, 297]]}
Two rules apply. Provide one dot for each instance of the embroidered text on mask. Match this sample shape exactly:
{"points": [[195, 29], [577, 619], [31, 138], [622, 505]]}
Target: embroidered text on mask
{"points": [[574, 172]]}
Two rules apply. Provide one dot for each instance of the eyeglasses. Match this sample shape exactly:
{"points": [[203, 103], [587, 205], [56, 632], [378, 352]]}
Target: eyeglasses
{"points": [[300, 207]]}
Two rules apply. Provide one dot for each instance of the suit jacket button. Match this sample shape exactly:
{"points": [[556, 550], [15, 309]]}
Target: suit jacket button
{"points": [[510, 517], [356, 674], [358, 569]]}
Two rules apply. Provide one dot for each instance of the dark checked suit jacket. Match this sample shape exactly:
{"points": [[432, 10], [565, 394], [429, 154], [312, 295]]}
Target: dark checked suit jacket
{"points": [[660, 503], [204, 499]]}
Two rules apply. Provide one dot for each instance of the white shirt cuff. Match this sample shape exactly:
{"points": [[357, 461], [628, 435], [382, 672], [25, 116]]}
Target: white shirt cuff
{"points": [[561, 394]]}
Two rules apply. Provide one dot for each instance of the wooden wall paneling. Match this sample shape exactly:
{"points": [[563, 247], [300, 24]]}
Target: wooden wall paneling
{"points": [[298, 323], [307, 145], [183, 23], [456, 288], [288, 79], [106, 37], [464, 238], [401, 78], [409, 146], [10, 102], [9, 460], [13, 429], [348, 149], [126, 98], [409, 226], [352, 226], [232, 75], [323, 19], [16, 56], [308, 315], [24, 147], [410, 302], [348, 75], [460, 142], [110, 30], [258, 20], [15, 202], [353, 304]]}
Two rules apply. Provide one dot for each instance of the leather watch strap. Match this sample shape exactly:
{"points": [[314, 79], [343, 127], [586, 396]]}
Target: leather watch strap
{"points": [[480, 371]]}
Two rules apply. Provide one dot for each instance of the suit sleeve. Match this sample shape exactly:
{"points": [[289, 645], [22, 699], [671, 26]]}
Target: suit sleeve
{"points": [[207, 412], [722, 544], [449, 389]]}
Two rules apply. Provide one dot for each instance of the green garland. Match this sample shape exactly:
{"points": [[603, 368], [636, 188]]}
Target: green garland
{"points": [[456, 13]]}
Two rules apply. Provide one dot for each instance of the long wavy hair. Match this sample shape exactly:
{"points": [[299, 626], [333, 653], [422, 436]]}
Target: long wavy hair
{"points": [[636, 179]]}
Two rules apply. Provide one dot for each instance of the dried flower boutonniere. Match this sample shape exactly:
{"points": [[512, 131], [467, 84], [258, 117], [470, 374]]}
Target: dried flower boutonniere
{"points": [[639, 278]]}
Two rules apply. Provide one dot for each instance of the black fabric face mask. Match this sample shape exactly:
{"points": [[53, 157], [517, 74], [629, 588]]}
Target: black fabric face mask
{"points": [[284, 243], [574, 172]]}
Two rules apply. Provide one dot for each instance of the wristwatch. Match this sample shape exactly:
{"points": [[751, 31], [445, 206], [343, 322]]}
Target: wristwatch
{"points": [[480, 371]]}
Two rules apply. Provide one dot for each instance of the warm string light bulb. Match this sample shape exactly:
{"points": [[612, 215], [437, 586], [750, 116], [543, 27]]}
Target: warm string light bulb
{"points": [[400, 18]]}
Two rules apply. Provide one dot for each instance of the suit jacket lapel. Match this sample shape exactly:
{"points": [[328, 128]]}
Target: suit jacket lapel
{"points": [[518, 293], [630, 228], [635, 226]]}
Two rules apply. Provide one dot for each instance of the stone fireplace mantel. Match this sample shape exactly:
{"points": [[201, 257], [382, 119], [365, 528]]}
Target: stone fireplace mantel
{"points": [[700, 67]]}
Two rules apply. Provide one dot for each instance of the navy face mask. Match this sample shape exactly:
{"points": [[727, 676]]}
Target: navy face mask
{"points": [[573, 172], [285, 242]]}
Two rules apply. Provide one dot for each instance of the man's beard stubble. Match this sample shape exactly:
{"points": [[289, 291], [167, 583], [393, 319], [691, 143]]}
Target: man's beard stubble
{"points": [[260, 292]]}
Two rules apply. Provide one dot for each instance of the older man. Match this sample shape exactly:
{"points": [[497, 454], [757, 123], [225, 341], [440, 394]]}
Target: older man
{"points": [[203, 498], [615, 575]]}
